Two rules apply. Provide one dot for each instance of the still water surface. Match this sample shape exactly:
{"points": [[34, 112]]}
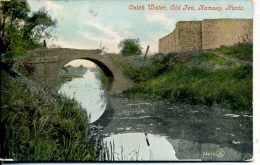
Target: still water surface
{"points": [[128, 146], [173, 132], [138, 146], [88, 92]]}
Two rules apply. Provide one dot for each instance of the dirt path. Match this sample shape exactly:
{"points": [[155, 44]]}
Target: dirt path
{"points": [[228, 57]]}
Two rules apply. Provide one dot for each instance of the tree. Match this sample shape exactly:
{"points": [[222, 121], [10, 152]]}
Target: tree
{"points": [[11, 12], [130, 47], [21, 29], [38, 26]]}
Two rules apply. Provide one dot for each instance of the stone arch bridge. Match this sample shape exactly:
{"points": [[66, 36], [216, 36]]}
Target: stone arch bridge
{"points": [[49, 62]]}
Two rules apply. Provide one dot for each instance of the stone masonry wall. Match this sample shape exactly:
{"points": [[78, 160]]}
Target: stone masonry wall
{"points": [[164, 44], [226, 32], [206, 34], [189, 36]]}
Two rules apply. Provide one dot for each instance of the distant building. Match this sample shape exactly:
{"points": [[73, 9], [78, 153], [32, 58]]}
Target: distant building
{"points": [[206, 34]]}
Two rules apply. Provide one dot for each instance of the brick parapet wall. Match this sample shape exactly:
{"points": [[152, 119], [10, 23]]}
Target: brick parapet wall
{"points": [[206, 34], [225, 32], [189, 36]]}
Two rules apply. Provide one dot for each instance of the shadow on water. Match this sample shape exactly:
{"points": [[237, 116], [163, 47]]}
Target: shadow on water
{"points": [[210, 129], [106, 117], [195, 133]]}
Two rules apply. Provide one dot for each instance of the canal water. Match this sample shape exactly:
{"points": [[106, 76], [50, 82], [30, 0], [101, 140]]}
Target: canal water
{"points": [[141, 130], [88, 92]]}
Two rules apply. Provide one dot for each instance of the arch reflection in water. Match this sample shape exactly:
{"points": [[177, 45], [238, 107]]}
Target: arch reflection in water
{"points": [[138, 146], [88, 92]]}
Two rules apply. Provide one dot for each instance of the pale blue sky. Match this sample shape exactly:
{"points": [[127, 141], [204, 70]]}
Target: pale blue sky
{"points": [[83, 24]]}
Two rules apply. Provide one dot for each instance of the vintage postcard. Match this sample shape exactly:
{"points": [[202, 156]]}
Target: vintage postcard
{"points": [[133, 80]]}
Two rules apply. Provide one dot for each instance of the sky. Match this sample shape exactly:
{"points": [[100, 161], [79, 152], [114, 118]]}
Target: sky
{"points": [[93, 24], [79, 62]]}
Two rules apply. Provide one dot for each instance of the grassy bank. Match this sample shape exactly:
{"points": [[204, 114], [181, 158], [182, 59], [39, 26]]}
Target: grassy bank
{"points": [[105, 81], [72, 72], [36, 129], [194, 78], [242, 51]]}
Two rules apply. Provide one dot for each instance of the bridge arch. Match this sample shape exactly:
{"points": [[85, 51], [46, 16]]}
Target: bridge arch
{"points": [[48, 63], [101, 65]]}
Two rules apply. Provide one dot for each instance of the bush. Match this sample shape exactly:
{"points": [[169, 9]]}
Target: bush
{"points": [[129, 47]]}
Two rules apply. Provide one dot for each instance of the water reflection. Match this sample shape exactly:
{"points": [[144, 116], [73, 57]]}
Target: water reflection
{"points": [[138, 146], [175, 132], [151, 147], [88, 92], [195, 133]]}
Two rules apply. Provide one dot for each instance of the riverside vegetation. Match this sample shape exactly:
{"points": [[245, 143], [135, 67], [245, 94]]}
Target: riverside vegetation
{"points": [[72, 72], [194, 78], [37, 124], [40, 126]]}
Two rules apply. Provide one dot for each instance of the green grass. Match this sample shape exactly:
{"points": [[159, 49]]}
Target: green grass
{"points": [[105, 81], [34, 129], [243, 51], [216, 60], [63, 79], [73, 72], [171, 79]]}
